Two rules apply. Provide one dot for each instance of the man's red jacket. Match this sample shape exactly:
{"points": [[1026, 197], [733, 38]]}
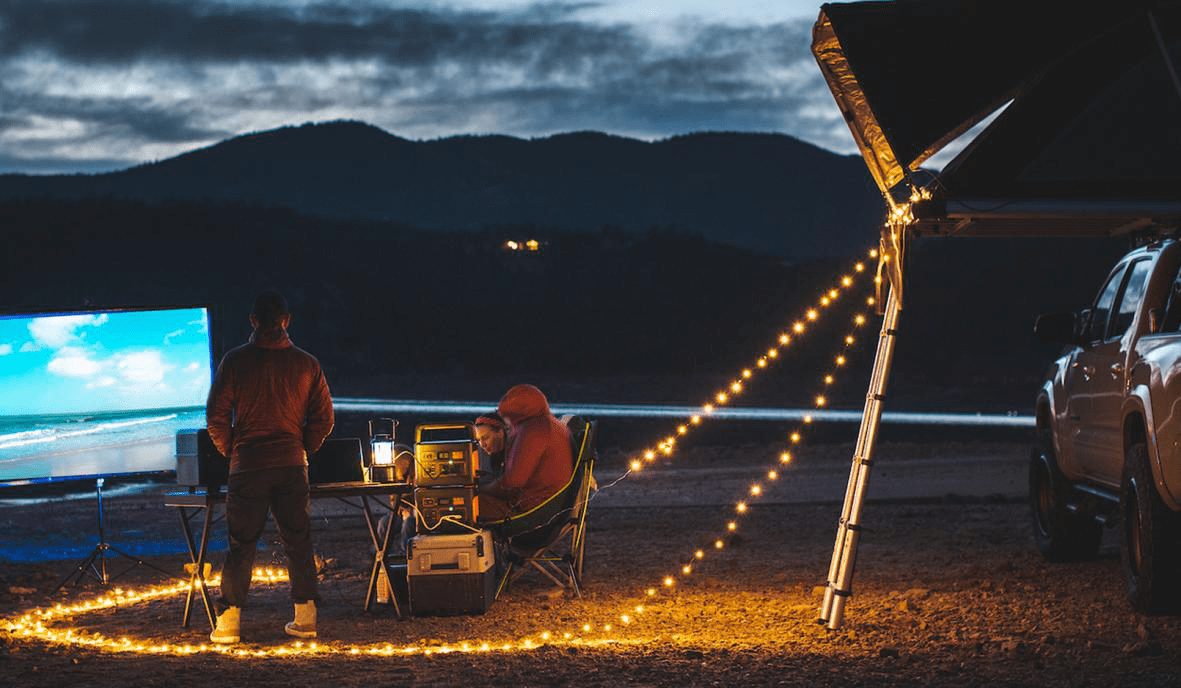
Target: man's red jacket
{"points": [[269, 405]]}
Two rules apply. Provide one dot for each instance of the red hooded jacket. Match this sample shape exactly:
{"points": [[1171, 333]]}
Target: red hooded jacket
{"points": [[539, 461]]}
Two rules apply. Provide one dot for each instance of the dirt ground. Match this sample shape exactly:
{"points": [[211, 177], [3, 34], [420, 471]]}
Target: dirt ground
{"points": [[949, 591]]}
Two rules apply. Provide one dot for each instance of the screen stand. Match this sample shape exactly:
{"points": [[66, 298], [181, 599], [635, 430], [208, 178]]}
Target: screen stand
{"points": [[95, 564]]}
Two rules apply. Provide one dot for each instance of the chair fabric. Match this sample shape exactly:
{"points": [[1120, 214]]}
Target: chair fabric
{"points": [[552, 536]]}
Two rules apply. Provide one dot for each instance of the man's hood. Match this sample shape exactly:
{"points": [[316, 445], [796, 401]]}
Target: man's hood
{"points": [[270, 339], [521, 403]]}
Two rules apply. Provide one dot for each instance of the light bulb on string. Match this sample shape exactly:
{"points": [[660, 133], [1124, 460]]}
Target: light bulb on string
{"points": [[119, 596]]}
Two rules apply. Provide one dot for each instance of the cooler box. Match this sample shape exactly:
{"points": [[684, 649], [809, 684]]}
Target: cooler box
{"points": [[450, 574]]}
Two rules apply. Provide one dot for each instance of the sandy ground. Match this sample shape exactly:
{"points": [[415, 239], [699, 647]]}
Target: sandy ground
{"points": [[949, 591]]}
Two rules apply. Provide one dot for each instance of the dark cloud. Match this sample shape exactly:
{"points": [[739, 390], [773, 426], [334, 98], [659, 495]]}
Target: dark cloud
{"points": [[136, 118], [720, 78], [417, 72], [49, 164], [126, 31]]}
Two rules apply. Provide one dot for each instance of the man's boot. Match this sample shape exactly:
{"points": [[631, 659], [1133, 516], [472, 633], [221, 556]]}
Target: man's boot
{"points": [[228, 628], [304, 625]]}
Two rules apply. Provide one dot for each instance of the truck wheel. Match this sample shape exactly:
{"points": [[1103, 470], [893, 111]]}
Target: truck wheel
{"points": [[1060, 535], [1148, 548]]}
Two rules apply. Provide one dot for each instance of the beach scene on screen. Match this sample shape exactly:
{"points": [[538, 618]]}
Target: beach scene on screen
{"points": [[99, 393]]}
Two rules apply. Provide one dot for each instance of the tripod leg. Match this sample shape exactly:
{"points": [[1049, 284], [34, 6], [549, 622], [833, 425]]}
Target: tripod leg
{"points": [[136, 561], [85, 566]]}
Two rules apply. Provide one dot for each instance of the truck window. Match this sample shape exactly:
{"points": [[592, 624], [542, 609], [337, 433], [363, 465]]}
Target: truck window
{"points": [[1130, 301], [1098, 325], [1173, 310]]}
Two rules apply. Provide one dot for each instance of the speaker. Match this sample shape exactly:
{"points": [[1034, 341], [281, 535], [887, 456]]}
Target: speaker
{"points": [[337, 461], [198, 463]]}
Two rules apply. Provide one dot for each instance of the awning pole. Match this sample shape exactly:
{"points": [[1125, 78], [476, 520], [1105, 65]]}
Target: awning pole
{"points": [[844, 554], [1164, 52]]}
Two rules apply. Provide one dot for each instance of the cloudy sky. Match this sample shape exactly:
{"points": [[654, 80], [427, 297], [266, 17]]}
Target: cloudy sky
{"points": [[91, 85]]}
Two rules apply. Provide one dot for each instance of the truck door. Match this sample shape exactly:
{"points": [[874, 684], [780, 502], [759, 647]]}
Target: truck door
{"points": [[1101, 438], [1079, 375]]}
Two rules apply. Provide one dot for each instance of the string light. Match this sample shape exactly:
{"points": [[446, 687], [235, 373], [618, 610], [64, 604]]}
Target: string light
{"points": [[34, 624], [756, 490]]}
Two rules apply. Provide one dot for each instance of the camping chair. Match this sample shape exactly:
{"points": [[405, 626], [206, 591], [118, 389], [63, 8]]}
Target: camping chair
{"points": [[551, 537]]}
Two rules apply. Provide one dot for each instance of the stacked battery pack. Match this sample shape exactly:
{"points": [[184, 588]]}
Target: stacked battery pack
{"points": [[449, 565], [445, 462]]}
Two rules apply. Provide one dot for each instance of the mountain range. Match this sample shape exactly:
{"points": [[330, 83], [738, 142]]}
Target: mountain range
{"points": [[769, 193]]}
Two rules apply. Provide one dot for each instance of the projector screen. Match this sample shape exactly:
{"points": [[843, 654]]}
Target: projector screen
{"points": [[100, 393]]}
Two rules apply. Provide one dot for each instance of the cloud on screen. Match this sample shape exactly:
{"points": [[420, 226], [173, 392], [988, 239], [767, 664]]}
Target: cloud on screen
{"points": [[73, 361], [57, 331], [144, 368], [5, 349]]}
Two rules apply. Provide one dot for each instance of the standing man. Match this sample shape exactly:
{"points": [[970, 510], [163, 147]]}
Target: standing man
{"points": [[268, 409]]}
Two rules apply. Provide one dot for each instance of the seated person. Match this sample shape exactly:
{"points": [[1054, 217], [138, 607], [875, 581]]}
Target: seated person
{"points": [[538, 462], [491, 435]]}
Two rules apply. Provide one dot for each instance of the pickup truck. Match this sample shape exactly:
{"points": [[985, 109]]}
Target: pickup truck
{"points": [[1108, 448]]}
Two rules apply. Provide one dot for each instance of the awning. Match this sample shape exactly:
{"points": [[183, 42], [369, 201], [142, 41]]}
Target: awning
{"points": [[1089, 144]]}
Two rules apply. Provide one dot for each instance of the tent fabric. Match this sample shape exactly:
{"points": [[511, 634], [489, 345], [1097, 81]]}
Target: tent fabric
{"points": [[1091, 138], [911, 76], [1105, 123]]}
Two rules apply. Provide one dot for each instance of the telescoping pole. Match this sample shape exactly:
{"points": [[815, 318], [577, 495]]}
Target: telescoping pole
{"points": [[844, 553]]}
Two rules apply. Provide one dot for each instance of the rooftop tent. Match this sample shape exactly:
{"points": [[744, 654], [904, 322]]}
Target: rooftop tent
{"points": [[1088, 145]]}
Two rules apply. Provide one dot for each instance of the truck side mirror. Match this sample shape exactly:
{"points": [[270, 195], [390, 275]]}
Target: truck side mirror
{"points": [[1156, 319], [1058, 328]]}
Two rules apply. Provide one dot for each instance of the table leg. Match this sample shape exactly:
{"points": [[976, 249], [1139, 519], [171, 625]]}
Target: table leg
{"points": [[385, 546], [205, 529], [188, 532], [381, 541], [197, 557]]}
